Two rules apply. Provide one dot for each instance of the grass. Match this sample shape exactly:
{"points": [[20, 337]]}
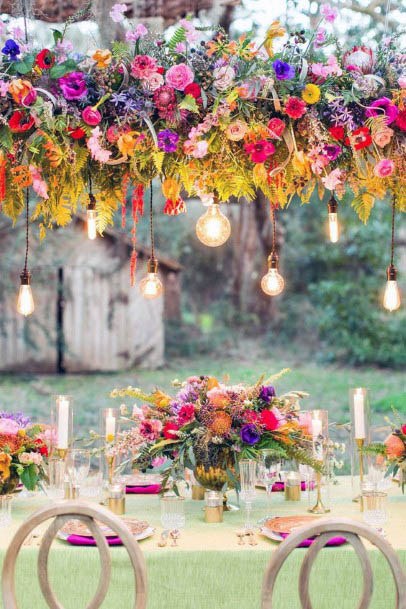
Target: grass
{"points": [[327, 385]]}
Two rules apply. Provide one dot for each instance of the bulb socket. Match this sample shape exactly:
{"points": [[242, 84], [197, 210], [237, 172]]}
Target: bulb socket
{"points": [[152, 265], [92, 202], [25, 277], [391, 273], [332, 206], [273, 260]]}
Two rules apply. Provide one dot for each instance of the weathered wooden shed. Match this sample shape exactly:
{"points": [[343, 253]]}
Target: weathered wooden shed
{"points": [[87, 317]]}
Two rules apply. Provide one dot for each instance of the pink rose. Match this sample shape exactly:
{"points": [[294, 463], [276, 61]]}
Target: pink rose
{"points": [[223, 77], [154, 81], [402, 82], [8, 426], [276, 127], [383, 137], [384, 168], [143, 66], [91, 117], [179, 76], [196, 149]]}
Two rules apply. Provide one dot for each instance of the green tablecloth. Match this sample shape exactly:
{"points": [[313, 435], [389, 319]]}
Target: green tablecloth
{"points": [[209, 570]]}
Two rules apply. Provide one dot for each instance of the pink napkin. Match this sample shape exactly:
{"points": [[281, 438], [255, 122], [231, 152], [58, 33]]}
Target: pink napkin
{"points": [[152, 489], [334, 541], [278, 487], [78, 540]]}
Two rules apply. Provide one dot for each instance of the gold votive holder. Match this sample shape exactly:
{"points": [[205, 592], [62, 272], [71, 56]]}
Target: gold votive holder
{"points": [[116, 499], [213, 511], [71, 491], [292, 487], [198, 492]]}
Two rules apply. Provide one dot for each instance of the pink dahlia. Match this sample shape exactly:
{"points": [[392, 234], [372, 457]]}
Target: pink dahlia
{"points": [[383, 107], [259, 151], [143, 66], [401, 120], [384, 168], [295, 107]]}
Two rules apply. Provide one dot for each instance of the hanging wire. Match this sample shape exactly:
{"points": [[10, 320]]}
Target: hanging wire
{"points": [[90, 180], [273, 218], [151, 221], [27, 220], [392, 249]]}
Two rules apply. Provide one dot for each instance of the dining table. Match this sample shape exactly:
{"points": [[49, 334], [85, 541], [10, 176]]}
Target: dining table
{"points": [[209, 569]]}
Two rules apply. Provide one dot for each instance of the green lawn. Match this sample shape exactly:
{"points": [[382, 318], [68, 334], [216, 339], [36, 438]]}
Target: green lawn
{"points": [[327, 385]]}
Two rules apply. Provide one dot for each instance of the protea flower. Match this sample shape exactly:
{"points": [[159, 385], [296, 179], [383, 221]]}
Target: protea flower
{"points": [[359, 59]]}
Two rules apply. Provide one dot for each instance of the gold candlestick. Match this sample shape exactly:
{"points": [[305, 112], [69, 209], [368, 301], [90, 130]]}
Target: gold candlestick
{"points": [[360, 444], [319, 507]]}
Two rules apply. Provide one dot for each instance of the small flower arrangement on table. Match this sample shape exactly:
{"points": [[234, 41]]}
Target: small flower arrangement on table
{"points": [[208, 426], [393, 450], [22, 451]]}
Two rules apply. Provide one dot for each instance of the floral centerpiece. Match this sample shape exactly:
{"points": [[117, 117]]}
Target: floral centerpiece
{"points": [[393, 449], [291, 115], [22, 450], [208, 426]]}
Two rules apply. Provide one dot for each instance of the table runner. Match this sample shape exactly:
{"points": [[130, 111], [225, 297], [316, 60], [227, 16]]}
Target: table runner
{"points": [[209, 570]]}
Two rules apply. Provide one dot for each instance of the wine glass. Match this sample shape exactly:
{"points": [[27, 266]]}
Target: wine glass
{"points": [[374, 503], [269, 468], [77, 466], [248, 479]]}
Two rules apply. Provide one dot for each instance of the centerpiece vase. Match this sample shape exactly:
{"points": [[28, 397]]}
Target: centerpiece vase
{"points": [[212, 475]]}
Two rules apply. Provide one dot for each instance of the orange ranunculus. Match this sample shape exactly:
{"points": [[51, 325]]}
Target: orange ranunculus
{"points": [[126, 144], [5, 461], [102, 57], [394, 447], [22, 91]]}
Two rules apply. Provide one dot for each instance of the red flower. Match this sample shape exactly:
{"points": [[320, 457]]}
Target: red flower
{"points": [[401, 120], [269, 420], [174, 208], [168, 431], [19, 122], [45, 59], [403, 429], [276, 127], [194, 90], [160, 70], [186, 414], [42, 447], [338, 133], [295, 107], [77, 133], [260, 150], [360, 138], [250, 416]]}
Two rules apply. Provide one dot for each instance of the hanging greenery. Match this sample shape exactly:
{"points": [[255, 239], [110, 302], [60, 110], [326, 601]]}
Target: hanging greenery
{"points": [[205, 116]]}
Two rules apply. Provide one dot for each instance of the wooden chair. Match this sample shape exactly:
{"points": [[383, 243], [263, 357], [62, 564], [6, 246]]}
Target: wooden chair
{"points": [[326, 530], [62, 513]]}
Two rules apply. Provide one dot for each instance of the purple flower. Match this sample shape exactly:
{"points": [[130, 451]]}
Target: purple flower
{"points": [[73, 85], [283, 71], [11, 49], [267, 393], [250, 434], [19, 417], [187, 394], [168, 140], [332, 151]]}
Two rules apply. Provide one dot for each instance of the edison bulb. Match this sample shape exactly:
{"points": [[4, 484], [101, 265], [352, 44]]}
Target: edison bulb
{"points": [[213, 227], [272, 283], [151, 286], [391, 298], [91, 224], [333, 228], [25, 300]]}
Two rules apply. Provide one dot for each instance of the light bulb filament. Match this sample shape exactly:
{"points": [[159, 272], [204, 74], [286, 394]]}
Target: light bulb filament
{"points": [[213, 227]]}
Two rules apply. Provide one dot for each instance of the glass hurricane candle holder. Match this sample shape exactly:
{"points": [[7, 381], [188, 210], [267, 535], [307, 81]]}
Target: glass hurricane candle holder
{"points": [[360, 432], [320, 451], [109, 428], [61, 425]]}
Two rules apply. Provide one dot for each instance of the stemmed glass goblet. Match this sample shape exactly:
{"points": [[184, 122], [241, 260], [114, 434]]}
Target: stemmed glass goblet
{"points": [[77, 466], [269, 468], [248, 479]]}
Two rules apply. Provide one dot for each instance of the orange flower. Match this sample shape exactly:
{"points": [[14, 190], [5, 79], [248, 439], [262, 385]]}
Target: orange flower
{"points": [[275, 30], [126, 144], [220, 423], [212, 382], [171, 189], [161, 399], [5, 461], [102, 57], [394, 447], [22, 91]]}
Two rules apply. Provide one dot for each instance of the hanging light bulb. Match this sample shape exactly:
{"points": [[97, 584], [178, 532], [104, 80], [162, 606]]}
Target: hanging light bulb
{"points": [[91, 218], [272, 283], [213, 227], [25, 300], [333, 227], [151, 286], [391, 297]]}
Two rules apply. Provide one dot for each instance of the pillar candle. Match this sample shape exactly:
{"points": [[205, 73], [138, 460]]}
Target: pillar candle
{"points": [[62, 439], [359, 415]]}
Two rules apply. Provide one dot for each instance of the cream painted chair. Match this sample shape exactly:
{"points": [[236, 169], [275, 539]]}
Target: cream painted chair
{"points": [[89, 514], [326, 530]]}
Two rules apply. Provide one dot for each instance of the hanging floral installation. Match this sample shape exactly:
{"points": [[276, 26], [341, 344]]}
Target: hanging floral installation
{"points": [[206, 115]]}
